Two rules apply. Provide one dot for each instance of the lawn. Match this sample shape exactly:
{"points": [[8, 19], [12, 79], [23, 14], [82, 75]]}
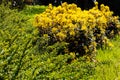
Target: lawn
{"points": [[108, 66]]}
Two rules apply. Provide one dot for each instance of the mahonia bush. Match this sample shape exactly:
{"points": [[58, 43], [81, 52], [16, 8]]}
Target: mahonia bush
{"points": [[83, 30]]}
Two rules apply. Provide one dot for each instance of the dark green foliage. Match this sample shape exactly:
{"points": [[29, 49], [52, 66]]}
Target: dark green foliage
{"points": [[13, 4], [111, 30]]}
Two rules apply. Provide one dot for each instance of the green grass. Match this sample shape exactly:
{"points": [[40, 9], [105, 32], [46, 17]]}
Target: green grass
{"points": [[108, 65], [31, 10]]}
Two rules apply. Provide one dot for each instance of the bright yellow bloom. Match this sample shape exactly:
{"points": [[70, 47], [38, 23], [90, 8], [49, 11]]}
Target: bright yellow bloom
{"points": [[72, 54], [54, 30], [110, 44], [61, 36], [50, 6], [83, 27], [68, 19], [72, 33]]}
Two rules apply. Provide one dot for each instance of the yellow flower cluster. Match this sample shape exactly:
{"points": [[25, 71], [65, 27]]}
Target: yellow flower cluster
{"points": [[82, 29], [68, 18]]}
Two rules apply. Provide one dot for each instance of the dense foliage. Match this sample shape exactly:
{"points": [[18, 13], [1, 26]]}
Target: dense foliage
{"points": [[24, 55], [83, 30], [27, 55]]}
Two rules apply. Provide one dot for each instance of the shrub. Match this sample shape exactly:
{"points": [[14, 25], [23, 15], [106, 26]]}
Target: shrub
{"points": [[83, 30], [24, 55]]}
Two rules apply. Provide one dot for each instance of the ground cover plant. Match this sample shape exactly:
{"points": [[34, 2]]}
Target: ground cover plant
{"points": [[27, 55]]}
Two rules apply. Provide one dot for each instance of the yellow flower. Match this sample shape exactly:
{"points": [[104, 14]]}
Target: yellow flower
{"points": [[94, 44], [102, 20], [65, 26], [83, 27], [50, 6], [110, 44], [61, 36], [96, 5], [72, 33], [64, 4], [102, 7], [54, 30], [68, 19], [107, 8], [45, 35], [72, 54], [86, 49]]}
